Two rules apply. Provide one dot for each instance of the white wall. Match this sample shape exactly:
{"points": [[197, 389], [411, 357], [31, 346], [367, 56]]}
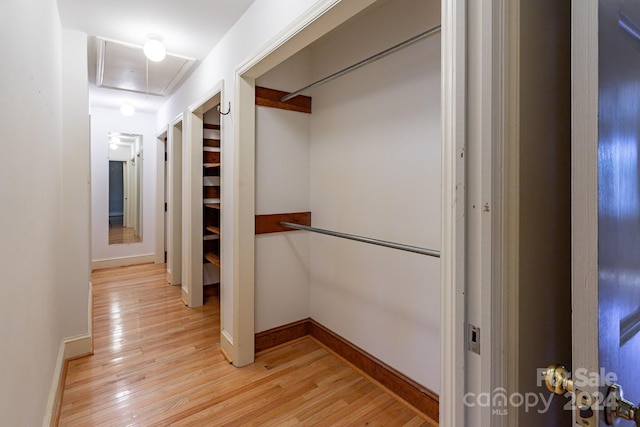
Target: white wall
{"points": [[376, 172], [262, 22], [76, 193], [33, 317], [104, 121]]}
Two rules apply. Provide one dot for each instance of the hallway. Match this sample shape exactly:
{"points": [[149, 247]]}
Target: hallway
{"points": [[158, 363]]}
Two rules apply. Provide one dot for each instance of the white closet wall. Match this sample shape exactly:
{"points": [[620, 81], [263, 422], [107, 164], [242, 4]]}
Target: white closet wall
{"points": [[282, 185], [367, 161], [376, 172]]}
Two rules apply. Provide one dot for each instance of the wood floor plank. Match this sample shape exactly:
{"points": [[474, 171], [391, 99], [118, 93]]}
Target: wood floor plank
{"points": [[158, 363]]}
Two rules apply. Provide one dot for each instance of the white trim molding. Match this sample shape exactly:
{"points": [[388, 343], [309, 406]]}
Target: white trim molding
{"points": [[508, 160], [70, 348], [452, 382], [584, 187], [122, 262], [161, 147]]}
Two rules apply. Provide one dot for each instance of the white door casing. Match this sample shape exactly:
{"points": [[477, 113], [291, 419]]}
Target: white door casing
{"points": [[584, 168]]}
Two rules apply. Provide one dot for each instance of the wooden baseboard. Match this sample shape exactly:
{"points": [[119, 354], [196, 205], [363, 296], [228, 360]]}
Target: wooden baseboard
{"points": [[276, 336], [402, 386]]}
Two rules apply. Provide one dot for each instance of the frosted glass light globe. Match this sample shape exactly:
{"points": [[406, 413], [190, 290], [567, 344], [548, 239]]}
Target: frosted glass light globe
{"points": [[154, 50]]}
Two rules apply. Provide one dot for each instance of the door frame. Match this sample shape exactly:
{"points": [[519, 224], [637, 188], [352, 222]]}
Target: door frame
{"points": [[160, 247], [490, 223], [192, 215], [174, 201], [453, 251], [584, 187]]}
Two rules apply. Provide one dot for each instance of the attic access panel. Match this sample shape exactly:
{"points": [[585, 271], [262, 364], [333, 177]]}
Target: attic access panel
{"points": [[124, 66]]}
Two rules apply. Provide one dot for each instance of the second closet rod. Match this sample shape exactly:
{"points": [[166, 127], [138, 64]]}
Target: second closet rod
{"points": [[364, 62], [403, 247]]}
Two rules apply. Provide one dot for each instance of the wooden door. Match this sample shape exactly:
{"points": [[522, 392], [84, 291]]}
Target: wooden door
{"points": [[606, 204]]}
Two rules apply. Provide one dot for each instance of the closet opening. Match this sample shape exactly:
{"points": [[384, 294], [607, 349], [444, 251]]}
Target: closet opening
{"points": [[202, 201], [359, 154]]}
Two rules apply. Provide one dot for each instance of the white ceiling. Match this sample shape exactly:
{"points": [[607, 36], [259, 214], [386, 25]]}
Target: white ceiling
{"points": [[190, 28]]}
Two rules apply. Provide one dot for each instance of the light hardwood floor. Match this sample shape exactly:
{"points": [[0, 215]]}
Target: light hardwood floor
{"points": [[158, 363], [119, 234]]}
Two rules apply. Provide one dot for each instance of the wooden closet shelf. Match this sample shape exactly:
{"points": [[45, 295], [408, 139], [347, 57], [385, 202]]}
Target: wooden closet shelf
{"points": [[209, 142], [271, 223], [212, 258], [212, 205], [210, 126], [266, 97], [213, 229], [208, 237], [212, 149], [211, 165]]}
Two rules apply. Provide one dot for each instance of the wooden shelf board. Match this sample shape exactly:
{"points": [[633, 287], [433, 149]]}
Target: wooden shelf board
{"points": [[213, 205], [271, 223], [212, 149], [211, 165], [212, 258], [211, 228], [211, 142], [210, 126], [210, 237], [271, 98]]}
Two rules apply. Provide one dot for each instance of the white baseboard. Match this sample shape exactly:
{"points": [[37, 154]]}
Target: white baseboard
{"points": [[56, 383], [226, 346], [77, 346], [121, 262], [70, 348]]}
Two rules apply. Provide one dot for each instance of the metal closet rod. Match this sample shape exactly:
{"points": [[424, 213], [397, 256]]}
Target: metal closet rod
{"points": [[364, 62], [402, 247]]}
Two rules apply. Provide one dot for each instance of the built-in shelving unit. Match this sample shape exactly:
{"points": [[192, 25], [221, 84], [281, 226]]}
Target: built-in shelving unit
{"points": [[211, 162]]}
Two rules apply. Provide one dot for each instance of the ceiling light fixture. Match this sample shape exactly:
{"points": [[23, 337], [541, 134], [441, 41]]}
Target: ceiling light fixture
{"points": [[154, 49], [127, 110], [113, 142]]}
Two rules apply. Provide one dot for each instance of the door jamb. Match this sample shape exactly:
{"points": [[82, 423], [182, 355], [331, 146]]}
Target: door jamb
{"points": [[584, 185], [160, 198], [453, 306]]}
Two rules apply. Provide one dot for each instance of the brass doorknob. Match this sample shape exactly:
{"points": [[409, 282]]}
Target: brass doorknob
{"points": [[557, 379]]}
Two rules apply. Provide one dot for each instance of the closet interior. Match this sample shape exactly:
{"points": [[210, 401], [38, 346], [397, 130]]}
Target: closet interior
{"points": [[354, 158], [211, 200]]}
